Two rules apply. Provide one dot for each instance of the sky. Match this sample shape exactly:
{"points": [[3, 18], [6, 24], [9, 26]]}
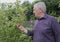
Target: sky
{"points": [[12, 1]]}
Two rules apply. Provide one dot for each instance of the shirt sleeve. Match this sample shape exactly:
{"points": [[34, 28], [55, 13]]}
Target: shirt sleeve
{"points": [[56, 29], [30, 32]]}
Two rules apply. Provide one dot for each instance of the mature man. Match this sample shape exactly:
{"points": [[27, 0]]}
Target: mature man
{"points": [[46, 28]]}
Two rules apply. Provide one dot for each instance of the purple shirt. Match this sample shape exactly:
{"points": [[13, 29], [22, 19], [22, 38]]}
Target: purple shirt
{"points": [[46, 29]]}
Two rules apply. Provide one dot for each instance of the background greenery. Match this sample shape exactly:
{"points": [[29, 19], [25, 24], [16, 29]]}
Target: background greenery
{"points": [[13, 13]]}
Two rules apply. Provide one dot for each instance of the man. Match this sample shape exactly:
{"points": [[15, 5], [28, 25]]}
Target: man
{"points": [[46, 28]]}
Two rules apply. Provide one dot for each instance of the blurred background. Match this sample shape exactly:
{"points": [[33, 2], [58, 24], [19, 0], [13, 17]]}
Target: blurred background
{"points": [[21, 11]]}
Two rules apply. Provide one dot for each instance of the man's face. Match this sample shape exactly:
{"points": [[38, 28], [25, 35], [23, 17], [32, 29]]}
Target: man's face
{"points": [[37, 12]]}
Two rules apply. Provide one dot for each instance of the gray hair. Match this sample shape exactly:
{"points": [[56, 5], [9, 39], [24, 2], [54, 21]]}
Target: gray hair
{"points": [[40, 5]]}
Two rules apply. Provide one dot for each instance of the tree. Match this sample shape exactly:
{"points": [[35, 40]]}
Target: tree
{"points": [[29, 9]]}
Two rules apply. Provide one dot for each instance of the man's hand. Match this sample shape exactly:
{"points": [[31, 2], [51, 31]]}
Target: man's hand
{"points": [[21, 28]]}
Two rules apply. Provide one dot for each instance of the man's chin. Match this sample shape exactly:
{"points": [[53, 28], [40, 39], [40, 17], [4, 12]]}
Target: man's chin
{"points": [[36, 18]]}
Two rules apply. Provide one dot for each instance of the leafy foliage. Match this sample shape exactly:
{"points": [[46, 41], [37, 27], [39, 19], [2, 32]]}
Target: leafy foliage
{"points": [[9, 17]]}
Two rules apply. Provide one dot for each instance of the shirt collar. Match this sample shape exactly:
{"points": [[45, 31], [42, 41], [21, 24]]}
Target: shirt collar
{"points": [[44, 17]]}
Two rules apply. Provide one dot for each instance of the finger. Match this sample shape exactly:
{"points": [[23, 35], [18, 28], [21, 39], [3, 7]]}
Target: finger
{"points": [[18, 25]]}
